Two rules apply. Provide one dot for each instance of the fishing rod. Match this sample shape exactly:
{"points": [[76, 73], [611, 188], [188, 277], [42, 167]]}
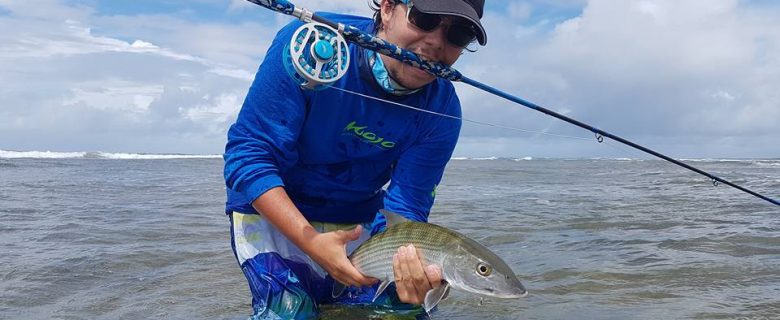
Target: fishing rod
{"points": [[317, 56]]}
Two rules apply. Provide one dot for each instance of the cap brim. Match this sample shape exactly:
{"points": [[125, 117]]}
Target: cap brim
{"points": [[457, 8]]}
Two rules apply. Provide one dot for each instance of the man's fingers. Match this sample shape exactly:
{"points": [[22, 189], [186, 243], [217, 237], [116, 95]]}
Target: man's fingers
{"points": [[401, 287], [355, 280], [350, 235], [412, 279], [419, 279], [358, 279], [348, 275], [433, 273], [403, 264], [345, 272], [411, 282], [397, 267]]}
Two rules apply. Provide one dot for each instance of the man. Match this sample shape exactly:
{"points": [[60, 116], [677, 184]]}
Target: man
{"points": [[305, 173]]}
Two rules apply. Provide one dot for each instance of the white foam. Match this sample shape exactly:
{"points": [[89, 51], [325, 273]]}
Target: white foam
{"points": [[768, 163], [480, 158], [40, 154], [614, 159], [716, 160], [6, 154], [141, 156]]}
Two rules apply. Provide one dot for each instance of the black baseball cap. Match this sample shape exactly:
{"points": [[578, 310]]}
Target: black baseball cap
{"points": [[470, 10]]}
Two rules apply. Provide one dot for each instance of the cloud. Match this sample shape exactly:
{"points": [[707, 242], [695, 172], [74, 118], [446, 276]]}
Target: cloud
{"points": [[134, 98], [215, 113], [667, 57], [67, 87], [519, 10], [696, 78], [699, 71]]}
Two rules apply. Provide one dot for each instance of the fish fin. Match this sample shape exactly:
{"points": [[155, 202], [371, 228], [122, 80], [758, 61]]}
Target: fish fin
{"points": [[447, 293], [382, 287], [338, 289], [434, 296], [392, 217]]}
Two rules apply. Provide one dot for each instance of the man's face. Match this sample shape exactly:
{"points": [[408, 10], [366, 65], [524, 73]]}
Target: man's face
{"points": [[432, 46]]}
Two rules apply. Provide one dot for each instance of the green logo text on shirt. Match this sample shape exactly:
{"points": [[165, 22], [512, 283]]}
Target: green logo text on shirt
{"points": [[368, 136]]}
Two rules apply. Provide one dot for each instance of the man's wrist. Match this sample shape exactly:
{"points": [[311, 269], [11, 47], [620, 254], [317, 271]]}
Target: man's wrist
{"points": [[308, 239]]}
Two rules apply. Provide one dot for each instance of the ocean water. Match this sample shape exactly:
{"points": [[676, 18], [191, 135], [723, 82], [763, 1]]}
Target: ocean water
{"points": [[123, 236]]}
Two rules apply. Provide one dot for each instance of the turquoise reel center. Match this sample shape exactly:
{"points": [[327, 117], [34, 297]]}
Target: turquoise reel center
{"points": [[323, 50], [316, 56]]}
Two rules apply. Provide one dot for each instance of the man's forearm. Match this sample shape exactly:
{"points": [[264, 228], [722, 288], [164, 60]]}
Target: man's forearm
{"points": [[281, 212]]}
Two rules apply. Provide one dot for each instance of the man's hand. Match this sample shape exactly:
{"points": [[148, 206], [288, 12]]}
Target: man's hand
{"points": [[412, 280], [329, 250]]}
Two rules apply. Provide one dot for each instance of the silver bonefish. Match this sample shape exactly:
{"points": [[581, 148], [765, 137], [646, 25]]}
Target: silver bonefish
{"points": [[465, 264]]}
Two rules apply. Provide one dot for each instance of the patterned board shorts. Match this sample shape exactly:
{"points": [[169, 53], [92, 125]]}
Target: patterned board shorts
{"points": [[286, 283]]}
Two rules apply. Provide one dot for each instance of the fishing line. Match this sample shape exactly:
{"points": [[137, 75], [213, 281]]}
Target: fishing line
{"points": [[629, 152], [319, 58], [455, 117]]}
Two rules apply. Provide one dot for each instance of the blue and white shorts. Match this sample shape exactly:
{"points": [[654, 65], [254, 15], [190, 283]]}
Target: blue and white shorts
{"points": [[285, 282]]}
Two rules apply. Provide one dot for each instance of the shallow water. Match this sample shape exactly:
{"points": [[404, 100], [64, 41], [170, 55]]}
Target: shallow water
{"points": [[98, 238]]}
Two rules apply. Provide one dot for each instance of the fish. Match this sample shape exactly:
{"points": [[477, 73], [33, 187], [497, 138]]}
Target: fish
{"points": [[465, 264]]}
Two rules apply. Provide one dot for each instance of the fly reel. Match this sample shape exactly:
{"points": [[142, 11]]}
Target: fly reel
{"points": [[317, 56]]}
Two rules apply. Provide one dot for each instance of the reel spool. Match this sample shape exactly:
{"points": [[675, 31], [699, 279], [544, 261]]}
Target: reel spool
{"points": [[317, 56]]}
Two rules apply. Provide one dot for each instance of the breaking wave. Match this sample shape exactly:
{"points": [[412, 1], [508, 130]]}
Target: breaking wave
{"points": [[6, 154]]}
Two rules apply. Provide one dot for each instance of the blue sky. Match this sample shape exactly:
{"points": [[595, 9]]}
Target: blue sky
{"points": [[691, 78]]}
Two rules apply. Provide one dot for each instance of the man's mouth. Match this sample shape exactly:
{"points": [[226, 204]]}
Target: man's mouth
{"points": [[420, 72]]}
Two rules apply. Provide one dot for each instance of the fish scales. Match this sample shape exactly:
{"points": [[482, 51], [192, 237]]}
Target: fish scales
{"points": [[374, 257]]}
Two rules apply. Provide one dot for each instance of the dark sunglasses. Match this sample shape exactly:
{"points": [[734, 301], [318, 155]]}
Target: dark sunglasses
{"points": [[459, 33]]}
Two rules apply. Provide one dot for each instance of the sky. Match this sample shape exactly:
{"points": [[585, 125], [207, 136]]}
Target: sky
{"points": [[688, 78]]}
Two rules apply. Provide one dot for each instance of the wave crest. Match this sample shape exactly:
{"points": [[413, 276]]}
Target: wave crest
{"points": [[7, 154]]}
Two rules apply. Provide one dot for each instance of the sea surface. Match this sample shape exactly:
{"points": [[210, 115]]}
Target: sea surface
{"points": [[123, 236]]}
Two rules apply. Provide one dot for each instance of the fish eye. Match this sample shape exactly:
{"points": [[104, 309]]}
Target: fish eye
{"points": [[484, 269]]}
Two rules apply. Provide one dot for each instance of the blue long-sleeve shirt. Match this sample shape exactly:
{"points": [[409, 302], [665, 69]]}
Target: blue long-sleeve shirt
{"points": [[333, 151]]}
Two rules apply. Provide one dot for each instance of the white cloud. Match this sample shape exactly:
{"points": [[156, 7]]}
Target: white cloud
{"points": [[698, 71], [115, 95], [67, 87], [240, 5], [234, 73], [692, 76], [217, 113], [519, 10]]}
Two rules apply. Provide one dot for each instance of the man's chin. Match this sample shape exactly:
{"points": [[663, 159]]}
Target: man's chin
{"points": [[417, 84], [416, 80]]}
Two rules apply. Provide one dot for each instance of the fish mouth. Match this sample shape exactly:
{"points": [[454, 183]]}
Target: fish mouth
{"points": [[521, 291], [517, 293]]}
